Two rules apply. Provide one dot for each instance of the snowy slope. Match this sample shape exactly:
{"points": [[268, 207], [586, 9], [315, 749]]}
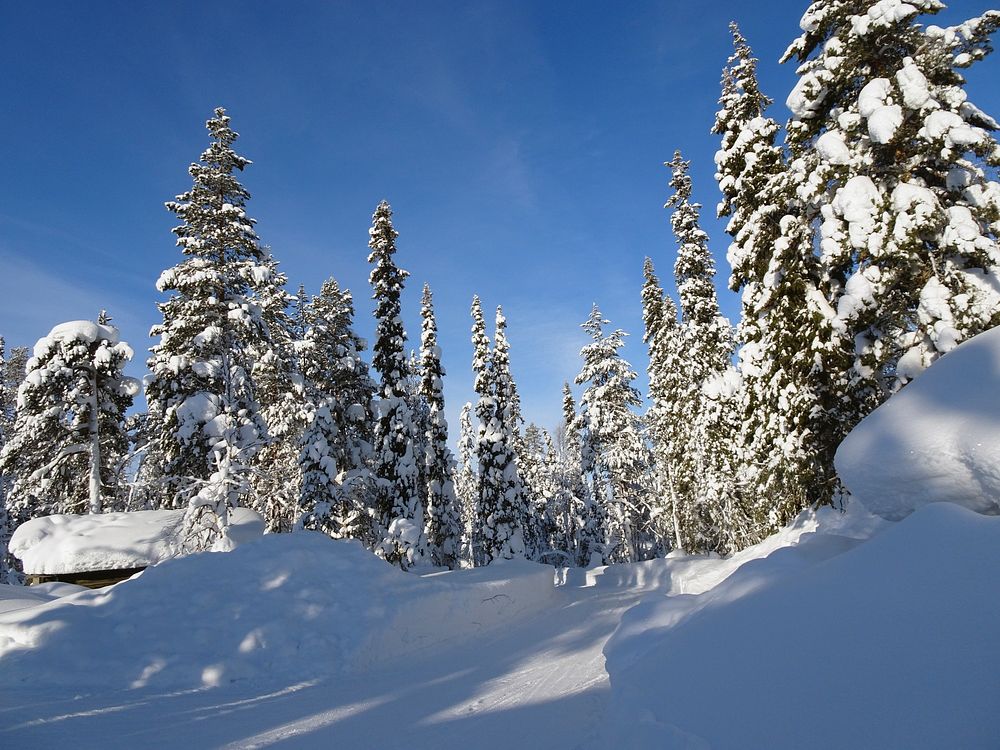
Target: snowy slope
{"points": [[292, 605], [891, 644]]}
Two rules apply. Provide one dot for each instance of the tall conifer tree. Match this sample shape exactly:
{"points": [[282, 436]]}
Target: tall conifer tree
{"points": [[204, 425], [396, 463], [442, 523]]}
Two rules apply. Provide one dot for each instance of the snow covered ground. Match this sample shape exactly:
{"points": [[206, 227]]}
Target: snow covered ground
{"points": [[844, 630]]}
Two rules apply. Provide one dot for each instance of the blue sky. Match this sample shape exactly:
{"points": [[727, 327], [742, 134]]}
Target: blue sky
{"points": [[521, 146]]}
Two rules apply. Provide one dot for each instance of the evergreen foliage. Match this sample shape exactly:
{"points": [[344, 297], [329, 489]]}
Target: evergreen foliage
{"points": [[397, 475], [467, 484], [335, 447], [500, 508], [204, 424], [612, 432], [665, 428], [891, 163], [66, 446], [442, 521], [703, 484], [12, 369]]}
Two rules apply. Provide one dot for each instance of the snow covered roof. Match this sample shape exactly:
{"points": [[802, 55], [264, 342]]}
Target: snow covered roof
{"points": [[61, 544]]}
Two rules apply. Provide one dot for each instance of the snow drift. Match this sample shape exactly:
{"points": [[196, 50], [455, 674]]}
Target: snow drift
{"points": [[936, 440], [297, 605], [890, 643]]}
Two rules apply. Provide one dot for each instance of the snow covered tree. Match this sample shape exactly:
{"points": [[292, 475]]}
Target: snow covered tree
{"points": [[508, 438], [787, 434], [498, 529], [275, 478], [442, 525], [892, 163], [613, 434], [398, 505], [70, 423], [467, 483], [703, 489], [204, 424], [335, 447], [667, 379], [537, 486], [12, 366], [583, 523]]}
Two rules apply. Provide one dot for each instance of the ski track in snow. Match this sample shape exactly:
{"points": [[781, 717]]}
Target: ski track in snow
{"points": [[539, 683]]}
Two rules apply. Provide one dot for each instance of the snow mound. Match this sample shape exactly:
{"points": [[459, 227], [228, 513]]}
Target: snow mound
{"points": [[297, 605], [695, 574], [936, 440], [890, 643], [22, 597], [60, 544]]}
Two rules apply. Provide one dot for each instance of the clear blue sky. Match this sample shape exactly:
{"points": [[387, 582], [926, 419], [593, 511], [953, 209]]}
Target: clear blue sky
{"points": [[520, 145]]}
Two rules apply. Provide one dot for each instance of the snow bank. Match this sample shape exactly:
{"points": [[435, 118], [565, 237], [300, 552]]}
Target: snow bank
{"points": [[59, 544], [297, 605], [936, 440], [827, 531], [889, 644], [22, 597]]}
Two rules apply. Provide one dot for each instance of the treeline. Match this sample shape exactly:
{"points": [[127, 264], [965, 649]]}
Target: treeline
{"points": [[863, 245]]}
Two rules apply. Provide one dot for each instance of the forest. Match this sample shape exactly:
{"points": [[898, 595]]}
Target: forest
{"points": [[863, 242]]}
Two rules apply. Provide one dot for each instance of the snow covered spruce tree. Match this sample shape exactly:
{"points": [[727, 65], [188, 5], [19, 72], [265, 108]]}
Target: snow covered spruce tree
{"points": [[537, 483], [335, 445], [498, 531], [275, 478], [467, 483], [787, 407], [399, 510], [613, 434], [584, 524], [65, 448], [442, 525], [204, 424], [703, 481], [12, 366], [508, 444], [667, 379], [892, 165]]}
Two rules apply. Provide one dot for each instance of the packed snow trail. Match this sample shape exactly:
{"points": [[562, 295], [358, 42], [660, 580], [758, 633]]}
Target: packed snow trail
{"points": [[540, 683]]}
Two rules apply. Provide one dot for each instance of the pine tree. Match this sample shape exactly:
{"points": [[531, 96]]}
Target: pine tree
{"points": [[538, 489], [12, 368], [702, 487], [786, 439], [70, 423], [335, 447], [204, 424], [467, 485], [667, 378], [613, 434], [891, 163], [506, 440], [275, 478], [498, 532], [583, 525], [442, 523], [397, 474]]}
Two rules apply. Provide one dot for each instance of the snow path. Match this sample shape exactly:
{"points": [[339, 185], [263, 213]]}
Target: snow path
{"points": [[538, 684]]}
